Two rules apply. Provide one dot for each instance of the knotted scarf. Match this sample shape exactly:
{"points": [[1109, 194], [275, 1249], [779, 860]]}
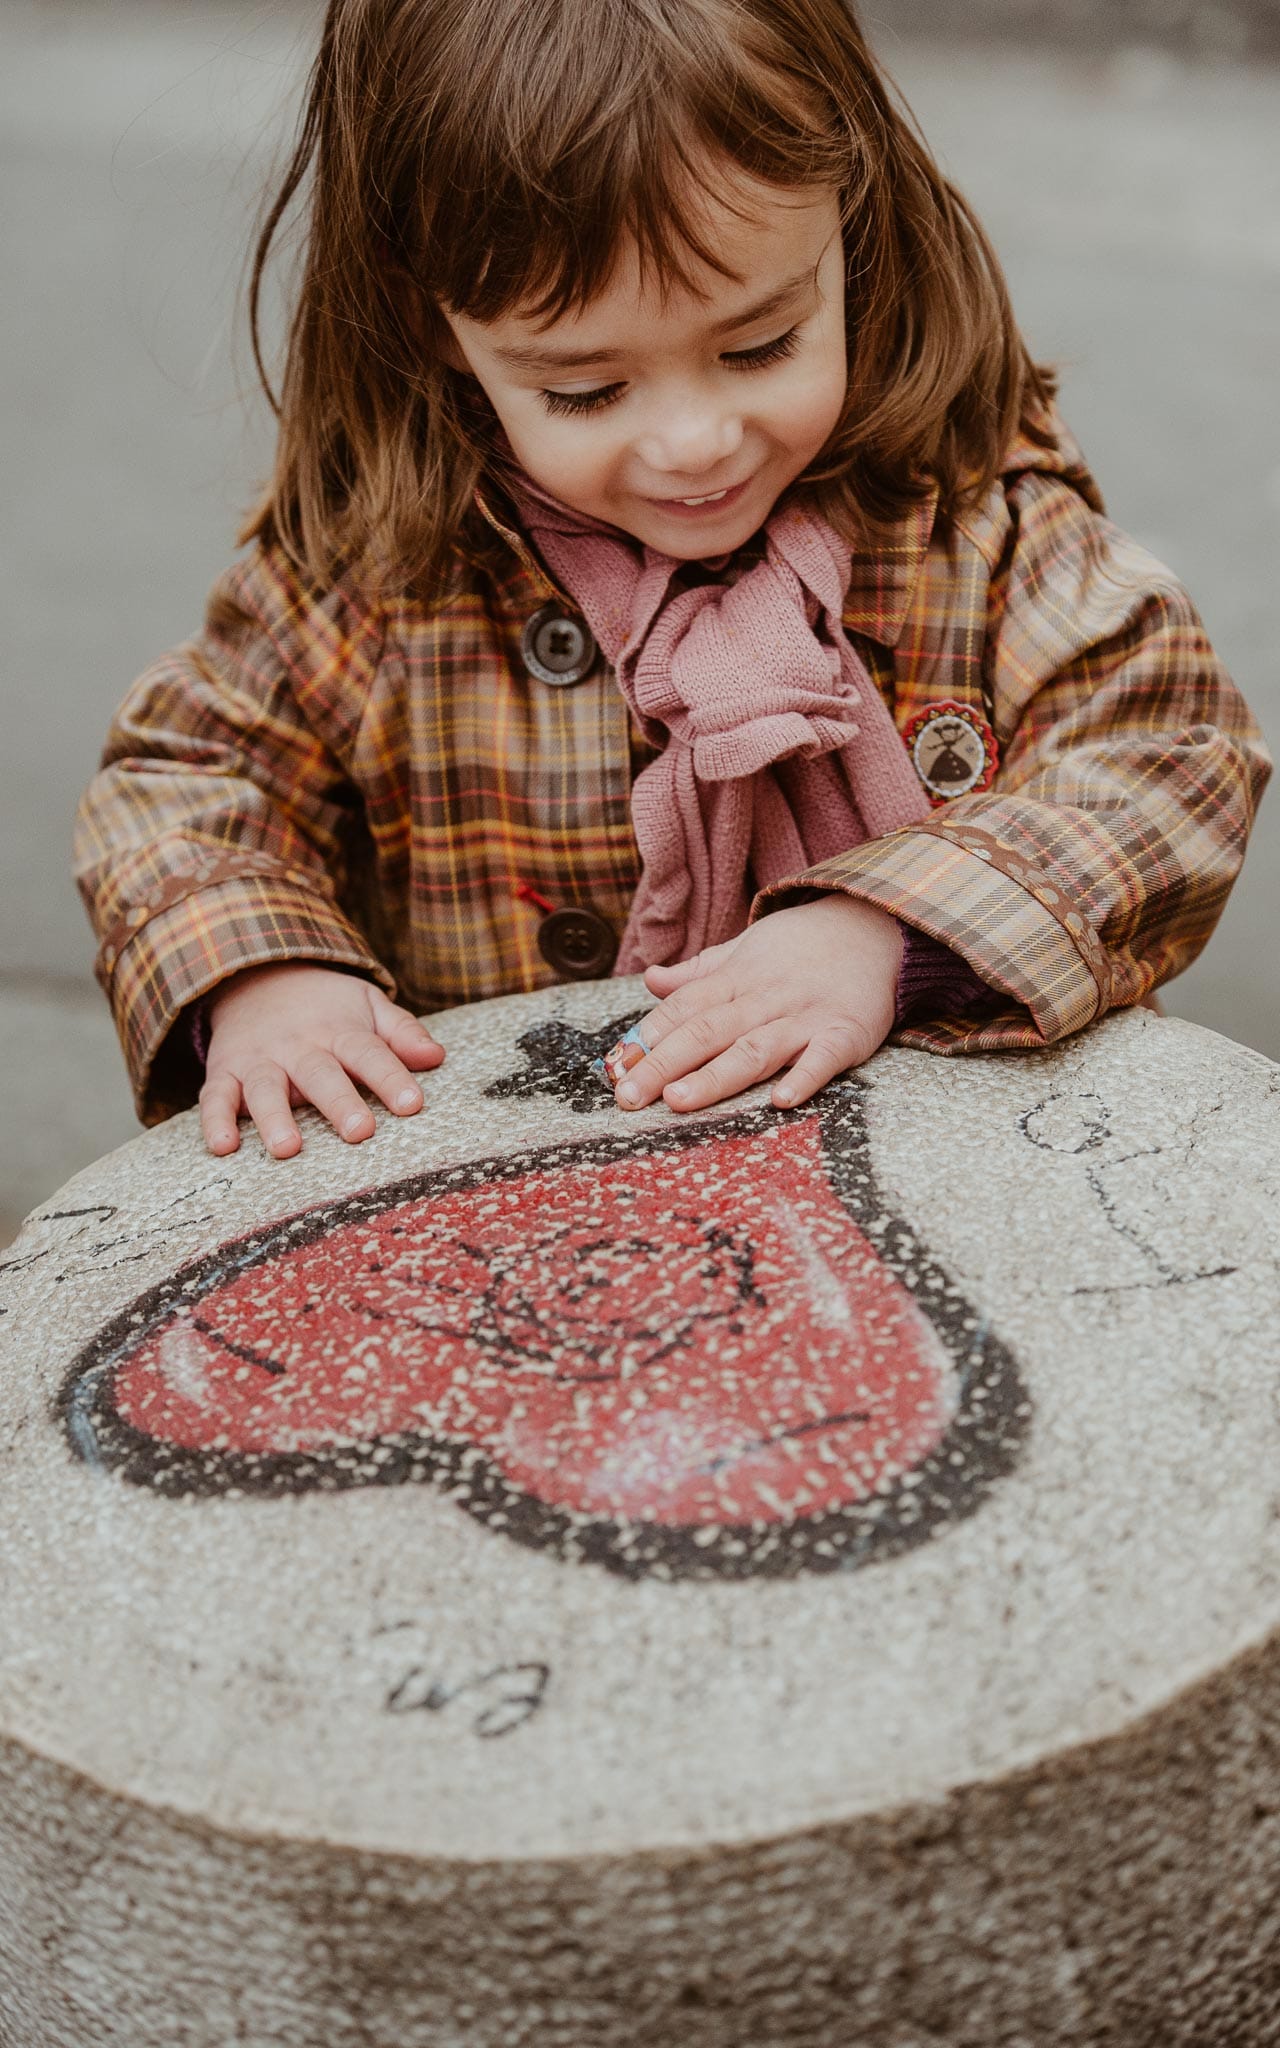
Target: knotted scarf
{"points": [[778, 750]]}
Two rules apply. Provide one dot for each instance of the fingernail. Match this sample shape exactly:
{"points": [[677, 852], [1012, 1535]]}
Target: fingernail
{"points": [[784, 1096], [628, 1094], [281, 1136], [408, 1098], [354, 1123], [677, 1091]]}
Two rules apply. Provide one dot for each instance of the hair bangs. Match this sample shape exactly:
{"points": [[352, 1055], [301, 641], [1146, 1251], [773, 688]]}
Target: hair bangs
{"points": [[540, 184]]}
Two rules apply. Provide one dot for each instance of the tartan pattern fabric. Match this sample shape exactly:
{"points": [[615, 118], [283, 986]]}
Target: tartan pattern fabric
{"points": [[369, 784]]}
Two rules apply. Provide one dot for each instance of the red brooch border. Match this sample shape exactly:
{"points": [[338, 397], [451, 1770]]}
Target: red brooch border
{"points": [[950, 707]]}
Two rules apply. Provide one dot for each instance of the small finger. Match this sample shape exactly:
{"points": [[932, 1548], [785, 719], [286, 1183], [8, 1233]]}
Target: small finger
{"points": [[751, 1058], [697, 998], [407, 1036], [663, 981], [266, 1097], [323, 1078], [373, 1062], [684, 1047], [703, 982], [827, 1054], [219, 1111]]}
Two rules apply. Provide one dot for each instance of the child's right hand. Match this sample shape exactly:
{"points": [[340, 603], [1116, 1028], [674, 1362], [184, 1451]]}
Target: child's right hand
{"points": [[291, 1033]]}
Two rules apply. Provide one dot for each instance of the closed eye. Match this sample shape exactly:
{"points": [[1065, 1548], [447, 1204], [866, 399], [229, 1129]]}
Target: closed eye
{"points": [[571, 402]]}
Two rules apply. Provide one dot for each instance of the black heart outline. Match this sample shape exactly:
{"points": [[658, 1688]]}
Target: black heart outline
{"points": [[981, 1446]]}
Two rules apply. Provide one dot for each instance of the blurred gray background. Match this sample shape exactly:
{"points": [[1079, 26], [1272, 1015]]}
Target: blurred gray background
{"points": [[1125, 155]]}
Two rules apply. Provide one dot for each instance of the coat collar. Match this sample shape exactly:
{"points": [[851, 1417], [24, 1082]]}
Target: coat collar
{"points": [[884, 577], [542, 588], [880, 588]]}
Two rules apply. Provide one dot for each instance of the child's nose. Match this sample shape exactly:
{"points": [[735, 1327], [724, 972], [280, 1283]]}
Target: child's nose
{"points": [[691, 440]]}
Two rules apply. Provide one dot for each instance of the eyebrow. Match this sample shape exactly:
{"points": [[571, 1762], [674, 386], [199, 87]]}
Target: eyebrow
{"points": [[529, 357]]}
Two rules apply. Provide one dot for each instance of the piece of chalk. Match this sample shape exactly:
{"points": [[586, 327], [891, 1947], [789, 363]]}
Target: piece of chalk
{"points": [[627, 1053]]}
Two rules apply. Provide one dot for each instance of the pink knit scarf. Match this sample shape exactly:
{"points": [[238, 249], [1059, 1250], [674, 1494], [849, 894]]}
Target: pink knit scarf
{"points": [[778, 750]]}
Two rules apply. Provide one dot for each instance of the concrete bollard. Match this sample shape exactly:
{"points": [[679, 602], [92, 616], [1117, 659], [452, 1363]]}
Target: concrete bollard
{"points": [[549, 1576]]}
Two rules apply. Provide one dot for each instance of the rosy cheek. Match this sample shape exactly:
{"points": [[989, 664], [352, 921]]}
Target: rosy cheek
{"points": [[819, 406]]}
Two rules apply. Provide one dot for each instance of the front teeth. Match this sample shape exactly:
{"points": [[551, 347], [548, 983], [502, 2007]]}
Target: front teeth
{"points": [[708, 500]]}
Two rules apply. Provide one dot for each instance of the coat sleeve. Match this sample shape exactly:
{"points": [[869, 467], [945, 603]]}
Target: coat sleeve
{"points": [[1098, 863], [212, 837]]}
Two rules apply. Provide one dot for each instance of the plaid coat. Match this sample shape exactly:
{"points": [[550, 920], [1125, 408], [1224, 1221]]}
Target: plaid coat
{"points": [[372, 783]]}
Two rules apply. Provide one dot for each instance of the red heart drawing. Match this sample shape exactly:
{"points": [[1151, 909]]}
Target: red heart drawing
{"points": [[705, 1350]]}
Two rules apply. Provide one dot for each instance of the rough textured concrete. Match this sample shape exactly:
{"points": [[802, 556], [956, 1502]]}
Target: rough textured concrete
{"points": [[554, 1576], [1135, 199]]}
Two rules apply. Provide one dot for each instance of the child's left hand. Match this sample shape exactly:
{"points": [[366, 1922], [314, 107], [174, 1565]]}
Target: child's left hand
{"points": [[812, 987]]}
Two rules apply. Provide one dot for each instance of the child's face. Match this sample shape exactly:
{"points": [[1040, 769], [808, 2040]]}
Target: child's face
{"points": [[689, 397]]}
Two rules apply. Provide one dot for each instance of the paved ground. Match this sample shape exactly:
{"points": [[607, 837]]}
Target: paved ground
{"points": [[1135, 197], [1213, 29]]}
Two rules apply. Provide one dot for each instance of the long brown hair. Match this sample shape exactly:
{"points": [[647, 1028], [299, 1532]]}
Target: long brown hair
{"points": [[494, 155]]}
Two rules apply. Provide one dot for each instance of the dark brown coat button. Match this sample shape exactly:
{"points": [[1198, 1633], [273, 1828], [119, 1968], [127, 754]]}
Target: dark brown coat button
{"points": [[557, 647], [578, 944]]}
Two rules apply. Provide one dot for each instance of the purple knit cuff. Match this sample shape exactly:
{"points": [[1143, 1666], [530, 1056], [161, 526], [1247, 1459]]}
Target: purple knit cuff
{"points": [[934, 978], [198, 1014]]}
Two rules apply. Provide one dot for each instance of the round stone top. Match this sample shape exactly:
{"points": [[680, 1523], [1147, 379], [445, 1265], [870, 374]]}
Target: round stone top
{"points": [[540, 1480]]}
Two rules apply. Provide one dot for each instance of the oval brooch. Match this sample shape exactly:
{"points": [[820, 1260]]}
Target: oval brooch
{"points": [[953, 748]]}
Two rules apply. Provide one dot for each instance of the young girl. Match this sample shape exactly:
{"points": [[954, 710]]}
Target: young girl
{"points": [[673, 559]]}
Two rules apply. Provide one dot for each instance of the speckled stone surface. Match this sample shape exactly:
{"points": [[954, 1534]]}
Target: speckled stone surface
{"points": [[548, 1576]]}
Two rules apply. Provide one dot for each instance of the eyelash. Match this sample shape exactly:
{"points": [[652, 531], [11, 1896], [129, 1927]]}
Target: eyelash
{"points": [[744, 359]]}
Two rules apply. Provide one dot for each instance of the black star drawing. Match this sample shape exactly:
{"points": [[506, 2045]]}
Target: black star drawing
{"points": [[558, 1062]]}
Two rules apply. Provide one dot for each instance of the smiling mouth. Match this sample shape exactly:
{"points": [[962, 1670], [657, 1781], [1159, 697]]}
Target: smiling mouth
{"points": [[707, 497]]}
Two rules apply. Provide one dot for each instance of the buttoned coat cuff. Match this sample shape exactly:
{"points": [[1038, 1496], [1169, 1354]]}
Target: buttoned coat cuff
{"points": [[1017, 930], [163, 955]]}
